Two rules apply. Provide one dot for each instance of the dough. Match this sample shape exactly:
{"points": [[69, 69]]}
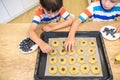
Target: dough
{"points": [[81, 59], [55, 43], [91, 51], [80, 51], [52, 69], [74, 70], [52, 60], [54, 52], [71, 60], [62, 51], [84, 69], [83, 43], [92, 43], [71, 52], [62, 60], [95, 69], [63, 70], [63, 42], [92, 59]]}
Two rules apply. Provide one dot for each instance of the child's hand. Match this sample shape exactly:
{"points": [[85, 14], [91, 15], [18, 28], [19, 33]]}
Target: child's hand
{"points": [[45, 48], [118, 30], [69, 44], [47, 28]]}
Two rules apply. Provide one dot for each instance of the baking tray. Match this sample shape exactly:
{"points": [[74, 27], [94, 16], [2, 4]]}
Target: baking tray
{"points": [[42, 58]]}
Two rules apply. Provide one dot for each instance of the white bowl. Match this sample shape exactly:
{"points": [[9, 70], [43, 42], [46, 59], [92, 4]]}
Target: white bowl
{"points": [[34, 47], [109, 36]]}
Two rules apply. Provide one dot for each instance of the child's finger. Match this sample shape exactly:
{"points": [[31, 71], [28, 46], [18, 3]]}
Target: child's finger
{"points": [[44, 51], [65, 46], [118, 30], [72, 47], [49, 49], [69, 47]]}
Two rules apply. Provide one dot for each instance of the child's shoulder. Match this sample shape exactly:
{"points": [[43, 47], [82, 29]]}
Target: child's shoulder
{"points": [[39, 11], [62, 10], [118, 4]]}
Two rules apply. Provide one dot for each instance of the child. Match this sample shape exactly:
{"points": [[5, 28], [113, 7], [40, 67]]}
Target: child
{"points": [[51, 10], [103, 10]]}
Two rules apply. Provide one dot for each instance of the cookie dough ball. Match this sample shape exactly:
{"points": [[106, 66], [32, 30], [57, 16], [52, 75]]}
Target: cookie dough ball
{"points": [[63, 42], [52, 69], [83, 43], [81, 59], [85, 68], [91, 51], [74, 70], [72, 52], [53, 60], [80, 51], [92, 59], [63, 70], [92, 43], [62, 60], [95, 69], [71, 60], [62, 51], [76, 43], [53, 52], [55, 43]]}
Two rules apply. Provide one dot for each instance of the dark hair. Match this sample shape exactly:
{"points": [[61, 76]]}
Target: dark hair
{"points": [[51, 5]]}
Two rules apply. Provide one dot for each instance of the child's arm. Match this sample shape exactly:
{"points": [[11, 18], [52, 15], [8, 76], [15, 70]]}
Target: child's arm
{"points": [[118, 30], [69, 43], [88, 12], [45, 48], [63, 24]]}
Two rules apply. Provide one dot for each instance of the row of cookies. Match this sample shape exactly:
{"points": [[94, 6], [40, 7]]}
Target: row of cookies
{"points": [[74, 70], [57, 43], [72, 60], [62, 51]]}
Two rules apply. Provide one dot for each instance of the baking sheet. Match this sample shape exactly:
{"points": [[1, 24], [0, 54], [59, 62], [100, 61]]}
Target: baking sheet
{"points": [[78, 39]]}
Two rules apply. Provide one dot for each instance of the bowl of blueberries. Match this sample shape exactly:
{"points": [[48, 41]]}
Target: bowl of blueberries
{"points": [[27, 45], [109, 33]]}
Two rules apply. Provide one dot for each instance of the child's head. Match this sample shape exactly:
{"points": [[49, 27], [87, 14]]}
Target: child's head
{"points": [[109, 4], [51, 7]]}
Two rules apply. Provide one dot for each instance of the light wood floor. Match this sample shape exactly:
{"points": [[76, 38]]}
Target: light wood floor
{"points": [[73, 6]]}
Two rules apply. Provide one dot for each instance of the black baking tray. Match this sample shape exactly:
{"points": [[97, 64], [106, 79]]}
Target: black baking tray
{"points": [[42, 57]]}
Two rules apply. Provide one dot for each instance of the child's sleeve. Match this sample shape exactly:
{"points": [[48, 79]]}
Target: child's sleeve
{"points": [[38, 16], [64, 14], [88, 12]]}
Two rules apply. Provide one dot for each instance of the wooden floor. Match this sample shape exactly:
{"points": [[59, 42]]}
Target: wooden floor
{"points": [[73, 6]]}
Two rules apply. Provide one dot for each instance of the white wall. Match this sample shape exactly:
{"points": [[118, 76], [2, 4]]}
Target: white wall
{"points": [[10, 9]]}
